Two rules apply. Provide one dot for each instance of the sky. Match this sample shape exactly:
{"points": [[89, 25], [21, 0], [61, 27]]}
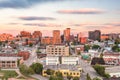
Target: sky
{"points": [[48, 15]]}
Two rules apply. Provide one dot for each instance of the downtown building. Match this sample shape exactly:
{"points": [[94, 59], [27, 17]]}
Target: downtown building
{"points": [[37, 35], [95, 35], [67, 35], [56, 37], [6, 37]]}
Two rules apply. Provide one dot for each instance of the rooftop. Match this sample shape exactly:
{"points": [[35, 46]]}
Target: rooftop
{"points": [[9, 58], [114, 69], [61, 66]]}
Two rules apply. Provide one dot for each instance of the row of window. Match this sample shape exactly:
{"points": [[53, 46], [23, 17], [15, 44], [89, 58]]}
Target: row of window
{"points": [[71, 73], [7, 61]]}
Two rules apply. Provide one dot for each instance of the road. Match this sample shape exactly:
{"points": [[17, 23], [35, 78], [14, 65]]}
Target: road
{"points": [[87, 68], [33, 57], [39, 77]]}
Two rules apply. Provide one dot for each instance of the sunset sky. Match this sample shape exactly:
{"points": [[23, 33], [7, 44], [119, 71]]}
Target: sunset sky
{"points": [[48, 15]]}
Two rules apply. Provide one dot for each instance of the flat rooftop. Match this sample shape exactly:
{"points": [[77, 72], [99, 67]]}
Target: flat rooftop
{"points": [[61, 67], [113, 69], [9, 58]]}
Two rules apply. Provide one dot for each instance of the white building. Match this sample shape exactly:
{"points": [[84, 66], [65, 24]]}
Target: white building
{"points": [[55, 60], [10, 62], [57, 50], [52, 60], [113, 71], [70, 60]]}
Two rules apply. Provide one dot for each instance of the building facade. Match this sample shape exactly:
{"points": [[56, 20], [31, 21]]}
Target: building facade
{"points": [[64, 69], [51, 60], [47, 40], [67, 35], [9, 62], [95, 35], [57, 50], [56, 37], [37, 34], [56, 60]]}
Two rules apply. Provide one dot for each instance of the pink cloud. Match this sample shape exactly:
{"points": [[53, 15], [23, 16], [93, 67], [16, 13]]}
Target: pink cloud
{"points": [[82, 11]]}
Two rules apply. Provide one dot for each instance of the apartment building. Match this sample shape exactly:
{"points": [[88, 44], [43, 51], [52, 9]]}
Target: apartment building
{"points": [[57, 50]]}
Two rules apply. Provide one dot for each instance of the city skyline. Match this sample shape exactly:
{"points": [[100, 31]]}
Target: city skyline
{"points": [[49, 15]]}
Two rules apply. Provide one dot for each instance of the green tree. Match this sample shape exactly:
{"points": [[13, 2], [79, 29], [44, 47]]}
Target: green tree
{"points": [[31, 44], [79, 53], [88, 77], [0, 43], [69, 77], [59, 74], [37, 68], [99, 69], [101, 55], [95, 46], [12, 42], [96, 78], [76, 78], [18, 62], [117, 41], [86, 47], [50, 72], [116, 48], [26, 70], [52, 78], [107, 76]]}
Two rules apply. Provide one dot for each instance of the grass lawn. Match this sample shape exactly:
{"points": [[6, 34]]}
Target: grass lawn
{"points": [[8, 74]]}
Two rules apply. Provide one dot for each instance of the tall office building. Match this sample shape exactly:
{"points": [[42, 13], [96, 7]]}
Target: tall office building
{"points": [[37, 34], [56, 37], [67, 35], [95, 35], [25, 34]]}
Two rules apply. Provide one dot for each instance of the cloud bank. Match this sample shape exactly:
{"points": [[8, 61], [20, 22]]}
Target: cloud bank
{"points": [[22, 3], [82, 11], [31, 18]]}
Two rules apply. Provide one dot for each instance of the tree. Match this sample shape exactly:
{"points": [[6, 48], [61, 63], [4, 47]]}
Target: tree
{"points": [[88, 77], [79, 53], [26, 70], [96, 78], [69, 77], [0, 43], [95, 46], [99, 69], [37, 68], [59, 74], [86, 48], [116, 48], [31, 44], [12, 42], [52, 78], [101, 55], [26, 41], [50, 72], [76, 78], [117, 41]]}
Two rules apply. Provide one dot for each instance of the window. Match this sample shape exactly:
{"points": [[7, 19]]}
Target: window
{"points": [[74, 73], [64, 72]]}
